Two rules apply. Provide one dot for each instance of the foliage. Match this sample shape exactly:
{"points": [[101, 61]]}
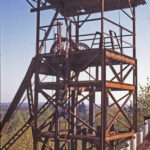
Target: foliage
{"points": [[143, 102], [25, 142]]}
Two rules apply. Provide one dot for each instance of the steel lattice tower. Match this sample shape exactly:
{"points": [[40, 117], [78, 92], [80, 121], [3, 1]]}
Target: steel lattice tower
{"points": [[78, 65]]}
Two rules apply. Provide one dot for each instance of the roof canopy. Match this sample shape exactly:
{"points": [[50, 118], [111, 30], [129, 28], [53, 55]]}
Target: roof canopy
{"points": [[75, 7]]}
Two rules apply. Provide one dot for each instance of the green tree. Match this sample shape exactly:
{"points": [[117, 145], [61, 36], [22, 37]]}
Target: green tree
{"points": [[143, 102], [25, 142]]}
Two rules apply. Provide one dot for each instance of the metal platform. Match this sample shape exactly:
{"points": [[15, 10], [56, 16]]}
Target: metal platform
{"points": [[73, 7]]}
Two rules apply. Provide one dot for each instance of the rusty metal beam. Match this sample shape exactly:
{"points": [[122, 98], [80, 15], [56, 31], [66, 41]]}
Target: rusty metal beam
{"points": [[120, 110], [17, 97], [92, 109], [103, 76], [135, 78], [121, 86], [120, 57], [89, 137], [47, 33]]}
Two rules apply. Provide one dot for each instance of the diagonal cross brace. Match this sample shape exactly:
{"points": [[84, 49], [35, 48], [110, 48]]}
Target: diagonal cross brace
{"points": [[48, 32]]}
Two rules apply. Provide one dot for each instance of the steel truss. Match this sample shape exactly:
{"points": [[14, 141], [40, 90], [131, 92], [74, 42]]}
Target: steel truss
{"points": [[63, 91]]}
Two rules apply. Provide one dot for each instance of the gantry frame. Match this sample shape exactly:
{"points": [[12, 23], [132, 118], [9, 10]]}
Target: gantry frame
{"points": [[66, 65]]}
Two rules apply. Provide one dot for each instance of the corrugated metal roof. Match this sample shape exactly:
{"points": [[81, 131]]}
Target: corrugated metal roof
{"points": [[73, 7]]}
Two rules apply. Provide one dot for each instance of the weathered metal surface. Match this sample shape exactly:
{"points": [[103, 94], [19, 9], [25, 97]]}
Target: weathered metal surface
{"points": [[66, 59], [77, 7], [25, 83]]}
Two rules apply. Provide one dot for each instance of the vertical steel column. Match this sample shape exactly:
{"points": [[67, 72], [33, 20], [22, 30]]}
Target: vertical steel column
{"points": [[67, 78], [68, 49], [121, 64], [76, 112], [103, 75], [69, 103], [77, 31], [84, 142], [59, 36], [56, 127], [91, 110], [38, 27], [106, 110], [35, 145], [134, 73], [73, 143], [35, 140], [70, 35], [57, 143]]}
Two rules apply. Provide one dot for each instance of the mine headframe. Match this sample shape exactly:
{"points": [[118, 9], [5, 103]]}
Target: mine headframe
{"points": [[85, 72]]}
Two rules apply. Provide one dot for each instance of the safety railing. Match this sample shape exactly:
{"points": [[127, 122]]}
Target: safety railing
{"points": [[139, 137]]}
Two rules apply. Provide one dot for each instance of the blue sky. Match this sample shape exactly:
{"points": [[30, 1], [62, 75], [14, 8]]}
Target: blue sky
{"points": [[17, 44]]}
